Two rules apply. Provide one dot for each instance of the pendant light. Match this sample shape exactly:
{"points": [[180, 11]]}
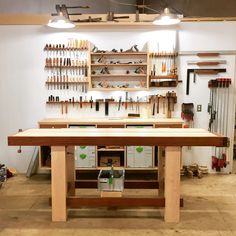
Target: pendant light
{"points": [[61, 22], [167, 18]]}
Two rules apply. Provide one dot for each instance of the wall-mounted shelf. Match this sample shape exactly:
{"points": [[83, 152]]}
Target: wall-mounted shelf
{"points": [[117, 76], [66, 67], [161, 77], [66, 82], [65, 49], [111, 71], [119, 64], [110, 149], [72, 45], [163, 54], [163, 81], [163, 69], [118, 89], [118, 53], [101, 102]]}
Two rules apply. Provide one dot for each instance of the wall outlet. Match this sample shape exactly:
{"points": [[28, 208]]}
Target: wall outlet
{"points": [[199, 108]]}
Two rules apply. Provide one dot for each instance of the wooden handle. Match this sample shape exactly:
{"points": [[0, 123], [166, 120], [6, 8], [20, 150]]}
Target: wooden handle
{"points": [[62, 108], [208, 54], [208, 63], [66, 109], [206, 72]]}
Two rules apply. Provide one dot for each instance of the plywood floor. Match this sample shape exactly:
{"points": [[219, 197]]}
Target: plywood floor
{"points": [[210, 209]]}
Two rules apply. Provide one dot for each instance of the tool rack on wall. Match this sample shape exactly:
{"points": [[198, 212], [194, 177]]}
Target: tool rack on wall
{"points": [[67, 66], [163, 69], [73, 69], [119, 71]]}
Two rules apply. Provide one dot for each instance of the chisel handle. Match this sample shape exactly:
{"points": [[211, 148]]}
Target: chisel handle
{"points": [[208, 54], [208, 63]]}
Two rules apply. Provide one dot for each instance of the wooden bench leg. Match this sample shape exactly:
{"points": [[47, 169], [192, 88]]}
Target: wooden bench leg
{"points": [[59, 183], [172, 184], [70, 165], [161, 172]]}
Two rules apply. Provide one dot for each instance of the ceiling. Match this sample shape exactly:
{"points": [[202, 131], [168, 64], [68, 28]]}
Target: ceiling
{"points": [[189, 8]]}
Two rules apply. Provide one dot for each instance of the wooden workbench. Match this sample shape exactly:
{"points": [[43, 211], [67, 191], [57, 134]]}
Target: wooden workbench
{"points": [[61, 139], [111, 121]]}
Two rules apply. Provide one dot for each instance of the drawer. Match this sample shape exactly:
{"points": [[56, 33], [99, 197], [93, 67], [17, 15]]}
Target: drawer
{"points": [[110, 126], [168, 125], [49, 126]]}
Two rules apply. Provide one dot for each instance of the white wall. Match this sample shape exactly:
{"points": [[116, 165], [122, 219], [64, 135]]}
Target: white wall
{"points": [[22, 84]]}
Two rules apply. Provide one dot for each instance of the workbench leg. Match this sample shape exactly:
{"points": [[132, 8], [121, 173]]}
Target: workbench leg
{"points": [[59, 183], [70, 166], [161, 171], [172, 184]]}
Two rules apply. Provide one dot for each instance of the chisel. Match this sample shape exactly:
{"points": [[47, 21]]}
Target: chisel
{"points": [[153, 105], [157, 97], [66, 107], [126, 100], [62, 110], [119, 103], [97, 104], [80, 101], [91, 102], [106, 107]]}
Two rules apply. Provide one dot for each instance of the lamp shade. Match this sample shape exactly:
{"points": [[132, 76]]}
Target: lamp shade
{"points": [[61, 22], [166, 18]]}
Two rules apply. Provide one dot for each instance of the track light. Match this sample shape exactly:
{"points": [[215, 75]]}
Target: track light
{"points": [[61, 22], [167, 18]]}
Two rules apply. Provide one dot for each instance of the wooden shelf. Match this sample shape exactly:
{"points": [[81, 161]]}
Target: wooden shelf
{"points": [[163, 54], [171, 84], [101, 102], [86, 168], [45, 167], [66, 67], [118, 89], [165, 81], [119, 53], [114, 75], [132, 76], [65, 49], [111, 149], [108, 167], [160, 77], [141, 168], [120, 64], [64, 83]]}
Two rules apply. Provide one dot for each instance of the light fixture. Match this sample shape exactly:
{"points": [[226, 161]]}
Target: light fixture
{"points": [[61, 22], [167, 18]]}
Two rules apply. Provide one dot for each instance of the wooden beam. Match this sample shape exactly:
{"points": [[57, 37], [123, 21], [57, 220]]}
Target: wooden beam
{"points": [[59, 184], [128, 184], [24, 19], [76, 202], [70, 166], [172, 184], [134, 141], [145, 20]]}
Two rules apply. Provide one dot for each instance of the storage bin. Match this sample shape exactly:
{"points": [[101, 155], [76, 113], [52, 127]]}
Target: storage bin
{"points": [[111, 180]]}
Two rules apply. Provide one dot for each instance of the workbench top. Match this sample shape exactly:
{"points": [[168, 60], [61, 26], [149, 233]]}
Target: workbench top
{"points": [[118, 136], [114, 120]]}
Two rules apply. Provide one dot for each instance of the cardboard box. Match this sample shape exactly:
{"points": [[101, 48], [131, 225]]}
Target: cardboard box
{"points": [[105, 159]]}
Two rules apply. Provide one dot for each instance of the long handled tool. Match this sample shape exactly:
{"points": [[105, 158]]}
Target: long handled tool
{"points": [[219, 109]]}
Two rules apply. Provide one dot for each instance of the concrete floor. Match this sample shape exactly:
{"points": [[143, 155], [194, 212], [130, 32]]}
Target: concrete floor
{"points": [[210, 209]]}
